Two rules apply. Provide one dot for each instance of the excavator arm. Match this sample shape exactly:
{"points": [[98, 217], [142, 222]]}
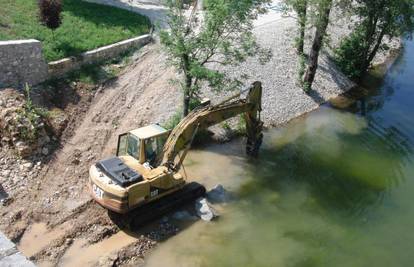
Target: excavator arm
{"points": [[203, 117]]}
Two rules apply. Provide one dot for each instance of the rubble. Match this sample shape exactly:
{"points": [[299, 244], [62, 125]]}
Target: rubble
{"points": [[164, 230], [22, 127]]}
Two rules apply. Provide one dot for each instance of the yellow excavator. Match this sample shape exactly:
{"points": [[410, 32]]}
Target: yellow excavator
{"points": [[148, 159]]}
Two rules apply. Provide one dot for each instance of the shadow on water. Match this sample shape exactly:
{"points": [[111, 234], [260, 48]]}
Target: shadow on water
{"points": [[338, 184]]}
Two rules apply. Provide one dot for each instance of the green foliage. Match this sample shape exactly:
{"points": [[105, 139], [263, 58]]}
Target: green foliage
{"points": [[50, 13], [350, 55], [300, 7], [173, 121], [377, 19], [31, 117], [241, 125], [100, 72], [226, 126], [93, 74], [301, 68], [222, 35], [306, 87], [85, 26]]}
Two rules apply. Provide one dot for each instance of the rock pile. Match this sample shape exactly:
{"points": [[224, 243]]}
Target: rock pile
{"points": [[14, 174]]}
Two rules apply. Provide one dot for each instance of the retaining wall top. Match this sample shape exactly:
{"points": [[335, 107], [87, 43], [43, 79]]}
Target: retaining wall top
{"points": [[21, 61], [17, 42]]}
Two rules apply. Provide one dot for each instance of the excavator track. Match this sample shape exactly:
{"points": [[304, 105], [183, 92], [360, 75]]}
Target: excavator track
{"points": [[154, 210]]}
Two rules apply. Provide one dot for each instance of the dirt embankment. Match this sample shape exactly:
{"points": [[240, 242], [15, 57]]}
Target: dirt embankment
{"points": [[57, 195]]}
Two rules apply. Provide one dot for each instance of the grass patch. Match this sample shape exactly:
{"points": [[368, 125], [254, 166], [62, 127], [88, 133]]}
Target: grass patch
{"points": [[85, 26]]}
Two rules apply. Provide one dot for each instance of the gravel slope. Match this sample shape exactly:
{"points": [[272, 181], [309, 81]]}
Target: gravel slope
{"points": [[283, 99]]}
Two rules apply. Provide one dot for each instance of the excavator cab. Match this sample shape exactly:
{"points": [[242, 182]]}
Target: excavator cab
{"points": [[144, 144]]}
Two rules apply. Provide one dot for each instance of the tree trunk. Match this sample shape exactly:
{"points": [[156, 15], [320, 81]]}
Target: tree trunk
{"points": [[187, 85], [371, 27], [187, 96], [302, 13], [376, 47], [321, 27]]}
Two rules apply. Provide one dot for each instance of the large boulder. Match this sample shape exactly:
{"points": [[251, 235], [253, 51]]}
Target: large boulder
{"points": [[204, 210]]}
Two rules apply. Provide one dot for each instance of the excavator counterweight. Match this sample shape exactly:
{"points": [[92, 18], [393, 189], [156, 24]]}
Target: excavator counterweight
{"points": [[146, 166]]}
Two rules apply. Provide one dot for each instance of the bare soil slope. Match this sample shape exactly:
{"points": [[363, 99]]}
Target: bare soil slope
{"points": [[141, 95]]}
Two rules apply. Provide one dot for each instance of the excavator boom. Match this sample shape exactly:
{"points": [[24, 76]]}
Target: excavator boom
{"points": [[205, 116]]}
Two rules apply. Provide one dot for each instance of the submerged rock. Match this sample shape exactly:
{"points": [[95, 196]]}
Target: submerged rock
{"points": [[204, 210], [219, 195]]}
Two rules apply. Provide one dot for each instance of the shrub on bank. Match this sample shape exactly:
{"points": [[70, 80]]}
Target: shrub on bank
{"points": [[349, 56], [22, 125]]}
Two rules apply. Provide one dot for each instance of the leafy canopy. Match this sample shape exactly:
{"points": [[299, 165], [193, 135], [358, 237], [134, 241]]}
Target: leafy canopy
{"points": [[221, 34]]}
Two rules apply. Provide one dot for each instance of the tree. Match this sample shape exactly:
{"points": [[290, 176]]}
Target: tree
{"points": [[300, 7], [50, 13], [323, 10], [222, 35], [377, 19]]}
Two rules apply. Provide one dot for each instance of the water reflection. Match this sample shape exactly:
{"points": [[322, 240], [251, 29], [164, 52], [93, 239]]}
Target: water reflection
{"points": [[347, 165]]}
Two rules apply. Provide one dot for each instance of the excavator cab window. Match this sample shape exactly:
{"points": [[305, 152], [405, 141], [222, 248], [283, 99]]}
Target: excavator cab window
{"points": [[150, 150], [153, 148], [128, 145]]}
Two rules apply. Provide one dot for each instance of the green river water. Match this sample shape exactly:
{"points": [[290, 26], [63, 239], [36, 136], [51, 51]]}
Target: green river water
{"points": [[335, 188]]}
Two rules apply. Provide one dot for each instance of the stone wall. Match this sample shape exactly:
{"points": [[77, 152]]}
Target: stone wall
{"points": [[21, 62], [61, 67]]}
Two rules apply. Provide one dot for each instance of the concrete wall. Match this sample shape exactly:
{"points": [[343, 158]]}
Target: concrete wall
{"points": [[61, 67], [10, 256], [20, 62]]}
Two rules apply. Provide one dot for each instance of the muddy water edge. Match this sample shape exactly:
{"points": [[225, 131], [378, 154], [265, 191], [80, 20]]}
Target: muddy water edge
{"points": [[333, 188]]}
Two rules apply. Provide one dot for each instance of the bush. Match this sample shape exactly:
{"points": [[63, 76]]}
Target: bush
{"points": [[50, 13], [349, 56], [173, 121], [32, 117]]}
